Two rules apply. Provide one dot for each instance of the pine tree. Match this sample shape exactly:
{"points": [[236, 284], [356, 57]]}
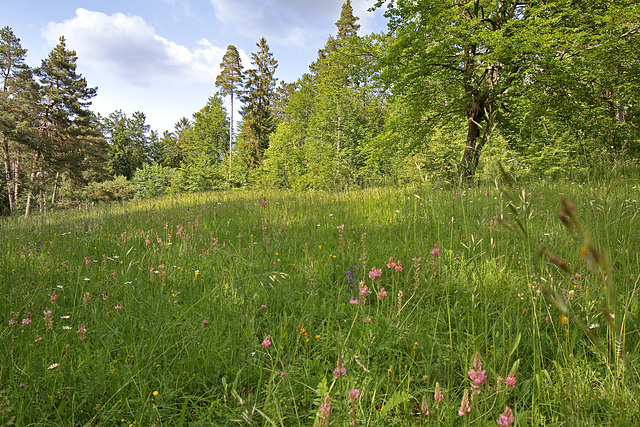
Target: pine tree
{"points": [[18, 101], [69, 139], [228, 80], [257, 113]]}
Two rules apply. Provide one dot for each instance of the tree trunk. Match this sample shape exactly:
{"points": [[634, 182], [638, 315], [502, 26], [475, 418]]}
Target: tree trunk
{"points": [[7, 173], [31, 184], [55, 187], [473, 131], [230, 136]]}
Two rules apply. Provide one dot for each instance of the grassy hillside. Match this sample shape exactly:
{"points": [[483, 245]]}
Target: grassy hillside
{"points": [[253, 307]]}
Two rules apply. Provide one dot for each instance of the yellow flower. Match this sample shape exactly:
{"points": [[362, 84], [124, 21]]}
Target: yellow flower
{"points": [[317, 337], [155, 392]]}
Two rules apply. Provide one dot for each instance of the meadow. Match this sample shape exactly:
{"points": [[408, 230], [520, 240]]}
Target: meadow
{"points": [[421, 306]]}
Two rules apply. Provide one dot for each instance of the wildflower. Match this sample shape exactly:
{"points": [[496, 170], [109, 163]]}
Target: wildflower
{"points": [[27, 320], [506, 418], [382, 294], [511, 380], [424, 407], [66, 328], [266, 343], [325, 410], [38, 338], [118, 307], [398, 266], [435, 251], [13, 322], [155, 393], [54, 297], [82, 331], [400, 293], [575, 276], [48, 321], [354, 301], [375, 273], [477, 375], [53, 366], [364, 291], [391, 264], [263, 307], [367, 320], [340, 369], [284, 374], [205, 323], [354, 395], [464, 405], [437, 396]]}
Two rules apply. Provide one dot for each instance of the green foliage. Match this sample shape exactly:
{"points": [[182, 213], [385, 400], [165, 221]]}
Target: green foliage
{"points": [[257, 114], [118, 188], [152, 181], [129, 142]]}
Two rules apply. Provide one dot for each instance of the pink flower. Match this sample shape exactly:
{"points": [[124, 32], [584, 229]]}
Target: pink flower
{"points": [[435, 251], [477, 375], [424, 407], [54, 297], [464, 405], [398, 267], [266, 343], [506, 418], [354, 301], [118, 307], [38, 338], [375, 273], [354, 395], [367, 320], [325, 410], [340, 369], [82, 331], [511, 380], [391, 264], [438, 396], [283, 373], [13, 322], [382, 294], [205, 323], [364, 291]]}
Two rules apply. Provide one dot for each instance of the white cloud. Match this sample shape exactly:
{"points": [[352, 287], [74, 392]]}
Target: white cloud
{"points": [[293, 22], [127, 47]]}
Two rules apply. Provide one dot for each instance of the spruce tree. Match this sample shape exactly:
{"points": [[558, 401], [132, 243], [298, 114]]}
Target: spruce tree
{"points": [[228, 80], [258, 121]]}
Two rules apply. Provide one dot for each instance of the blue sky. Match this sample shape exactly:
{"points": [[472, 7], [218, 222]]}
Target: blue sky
{"points": [[161, 57]]}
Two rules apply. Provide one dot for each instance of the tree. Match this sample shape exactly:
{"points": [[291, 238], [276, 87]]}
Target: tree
{"points": [[257, 113], [18, 102], [203, 145], [68, 135], [474, 58], [228, 80], [347, 28], [129, 142]]}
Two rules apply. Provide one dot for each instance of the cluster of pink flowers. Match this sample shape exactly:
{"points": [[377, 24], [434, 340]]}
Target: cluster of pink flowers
{"points": [[340, 370], [396, 265], [375, 273], [325, 410], [266, 343]]}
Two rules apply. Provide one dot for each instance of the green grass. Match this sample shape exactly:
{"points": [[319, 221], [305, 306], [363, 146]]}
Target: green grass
{"points": [[280, 270]]}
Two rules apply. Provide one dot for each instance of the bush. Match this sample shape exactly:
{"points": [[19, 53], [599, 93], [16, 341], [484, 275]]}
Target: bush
{"points": [[117, 189], [152, 181]]}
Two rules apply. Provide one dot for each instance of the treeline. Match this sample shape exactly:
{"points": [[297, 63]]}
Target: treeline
{"points": [[545, 87]]}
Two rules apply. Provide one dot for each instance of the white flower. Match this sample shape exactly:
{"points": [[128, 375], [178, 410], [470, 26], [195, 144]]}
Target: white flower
{"points": [[128, 283], [59, 286], [53, 366], [64, 317], [593, 326], [86, 279], [66, 327]]}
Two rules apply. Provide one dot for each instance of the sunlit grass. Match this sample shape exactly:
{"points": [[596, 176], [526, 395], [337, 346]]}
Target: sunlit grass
{"points": [[178, 295]]}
